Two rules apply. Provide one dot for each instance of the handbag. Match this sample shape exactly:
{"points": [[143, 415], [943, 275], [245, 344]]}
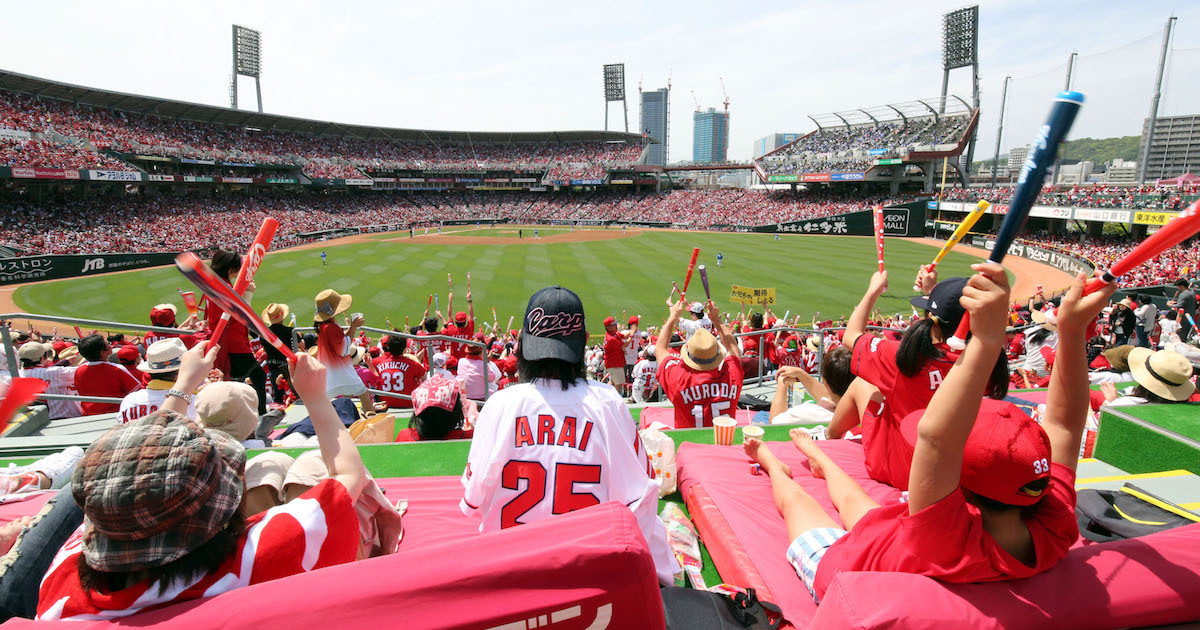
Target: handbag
{"points": [[1108, 515], [692, 609]]}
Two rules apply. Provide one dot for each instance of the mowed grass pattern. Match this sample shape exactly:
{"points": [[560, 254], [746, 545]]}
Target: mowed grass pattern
{"points": [[631, 275]]}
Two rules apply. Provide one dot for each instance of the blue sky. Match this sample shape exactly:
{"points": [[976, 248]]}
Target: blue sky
{"points": [[537, 65]]}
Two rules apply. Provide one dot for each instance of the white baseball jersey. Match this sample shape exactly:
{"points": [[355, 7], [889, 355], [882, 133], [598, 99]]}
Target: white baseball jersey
{"points": [[633, 345], [645, 375], [689, 326], [146, 401], [540, 451], [59, 380]]}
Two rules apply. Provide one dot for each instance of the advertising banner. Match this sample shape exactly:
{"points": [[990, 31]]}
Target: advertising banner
{"points": [[414, 180], [748, 295], [384, 180], [524, 180], [282, 180], [237, 180], [876, 151], [1043, 255], [34, 268], [191, 161], [586, 182], [43, 173], [1099, 214], [358, 181], [1050, 212], [898, 221], [467, 180], [847, 177], [1152, 218], [816, 177], [783, 178], [620, 181], [14, 134], [154, 177], [887, 161], [197, 179]]}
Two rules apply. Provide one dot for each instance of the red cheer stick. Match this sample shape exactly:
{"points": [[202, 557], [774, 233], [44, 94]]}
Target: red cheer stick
{"points": [[20, 392], [691, 268], [1177, 230], [224, 296], [878, 216], [254, 258]]}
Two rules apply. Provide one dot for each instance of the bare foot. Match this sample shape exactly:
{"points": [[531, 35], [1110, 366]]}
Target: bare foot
{"points": [[10, 531], [762, 454], [805, 444]]}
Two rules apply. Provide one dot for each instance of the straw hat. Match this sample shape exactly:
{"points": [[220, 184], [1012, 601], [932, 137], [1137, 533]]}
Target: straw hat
{"points": [[1118, 357], [703, 352], [1127, 303], [1041, 317], [1164, 373], [330, 303], [275, 313], [164, 355]]}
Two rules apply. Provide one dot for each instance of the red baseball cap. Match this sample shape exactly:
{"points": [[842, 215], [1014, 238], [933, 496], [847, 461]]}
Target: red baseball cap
{"points": [[610, 321], [1006, 451], [460, 317], [128, 354], [633, 320], [771, 321]]}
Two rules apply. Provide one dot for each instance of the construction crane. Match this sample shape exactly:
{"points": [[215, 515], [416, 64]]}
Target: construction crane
{"points": [[696, 100], [725, 93]]}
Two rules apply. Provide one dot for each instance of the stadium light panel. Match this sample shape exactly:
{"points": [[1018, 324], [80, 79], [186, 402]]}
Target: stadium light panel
{"points": [[247, 47], [960, 44], [614, 82]]}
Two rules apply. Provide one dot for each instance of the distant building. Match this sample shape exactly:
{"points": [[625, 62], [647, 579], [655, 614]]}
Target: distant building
{"points": [[767, 144], [656, 108], [1176, 146], [1121, 172], [1077, 173], [1016, 158], [710, 136]]}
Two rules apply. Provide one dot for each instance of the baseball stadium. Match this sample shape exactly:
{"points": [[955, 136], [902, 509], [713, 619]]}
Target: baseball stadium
{"points": [[561, 379]]}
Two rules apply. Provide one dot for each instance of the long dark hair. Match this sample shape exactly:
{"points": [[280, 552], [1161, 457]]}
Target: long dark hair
{"points": [[226, 263], [204, 559], [917, 347], [567, 373], [434, 423]]}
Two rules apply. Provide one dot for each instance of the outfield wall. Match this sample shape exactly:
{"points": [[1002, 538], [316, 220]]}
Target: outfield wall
{"points": [[904, 220], [37, 268]]}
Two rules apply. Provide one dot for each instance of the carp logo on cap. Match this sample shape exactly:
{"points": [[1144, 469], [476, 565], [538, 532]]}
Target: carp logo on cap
{"points": [[542, 324]]}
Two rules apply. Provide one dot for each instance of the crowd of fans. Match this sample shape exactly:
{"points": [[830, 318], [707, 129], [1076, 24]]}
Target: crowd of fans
{"points": [[1103, 251], [856, 148], [97, 129], [1148, 196], [38, 153], [141, 223]]}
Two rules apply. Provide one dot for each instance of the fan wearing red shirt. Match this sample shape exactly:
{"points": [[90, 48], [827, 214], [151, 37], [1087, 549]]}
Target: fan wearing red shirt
{"points": [[991, 493], [463, 326], [100, 378], [905, 372], [705, 380], [235, 341], [614, 354], [399, 372]]}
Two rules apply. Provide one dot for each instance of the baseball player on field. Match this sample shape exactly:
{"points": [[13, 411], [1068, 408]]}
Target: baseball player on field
{"points": [[556, 442]]}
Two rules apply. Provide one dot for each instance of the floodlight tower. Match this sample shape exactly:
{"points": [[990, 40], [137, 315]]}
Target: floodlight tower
{"points": [[614, 90], [247, 62], [960, 48]]}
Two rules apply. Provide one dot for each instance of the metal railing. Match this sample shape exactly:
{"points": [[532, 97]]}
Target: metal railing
{"points": [[298, 332]]}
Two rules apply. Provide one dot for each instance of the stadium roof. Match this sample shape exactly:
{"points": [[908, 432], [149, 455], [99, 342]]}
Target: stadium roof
{"points": [[195, 112], [937, 106]]}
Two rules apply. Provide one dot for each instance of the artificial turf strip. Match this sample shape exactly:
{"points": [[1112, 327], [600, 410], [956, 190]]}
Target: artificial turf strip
{"points": [[393, 278], [1138, 450], [1182, 418]]}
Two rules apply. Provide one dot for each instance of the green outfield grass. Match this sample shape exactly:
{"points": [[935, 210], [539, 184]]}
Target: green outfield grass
{"points": [[393, 278]]}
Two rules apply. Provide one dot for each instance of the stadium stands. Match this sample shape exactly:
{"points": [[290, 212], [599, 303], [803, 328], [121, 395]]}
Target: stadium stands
{"points": [[1094, 196], [1103, 251]]}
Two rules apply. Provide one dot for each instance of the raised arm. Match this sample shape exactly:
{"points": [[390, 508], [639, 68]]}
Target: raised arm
{"points": [[943, 430], [194, 366], [663, 345], [470, 307], [337, 447], [858, 319], [722, 332], [787, 375], [1068, 400]]}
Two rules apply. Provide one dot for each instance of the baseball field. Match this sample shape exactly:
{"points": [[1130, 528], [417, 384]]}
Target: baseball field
{"points": [[614, 272]]}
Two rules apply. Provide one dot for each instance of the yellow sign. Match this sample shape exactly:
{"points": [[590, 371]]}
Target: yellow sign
{"points": [[1153, 218], [747, 295]]}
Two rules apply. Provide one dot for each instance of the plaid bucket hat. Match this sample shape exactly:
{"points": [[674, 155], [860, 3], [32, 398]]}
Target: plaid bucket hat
{"points": [[154, 490]]}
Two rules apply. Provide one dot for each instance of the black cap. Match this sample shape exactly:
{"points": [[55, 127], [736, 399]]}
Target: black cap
{"points": [[554, 326], [942, 302]]}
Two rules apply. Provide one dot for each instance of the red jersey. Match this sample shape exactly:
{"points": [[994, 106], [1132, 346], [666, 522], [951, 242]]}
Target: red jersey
{"points": [[458, 350], [506, 381], [399, 375], [104, 379], [947, 540], [236, 338], [888, 454], [151, 337], [785, 358], [317, 530], [614, 350], [700, 396]]}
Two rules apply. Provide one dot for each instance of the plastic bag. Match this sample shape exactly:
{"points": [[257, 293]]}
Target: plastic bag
{"points": [[661, 449]]}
